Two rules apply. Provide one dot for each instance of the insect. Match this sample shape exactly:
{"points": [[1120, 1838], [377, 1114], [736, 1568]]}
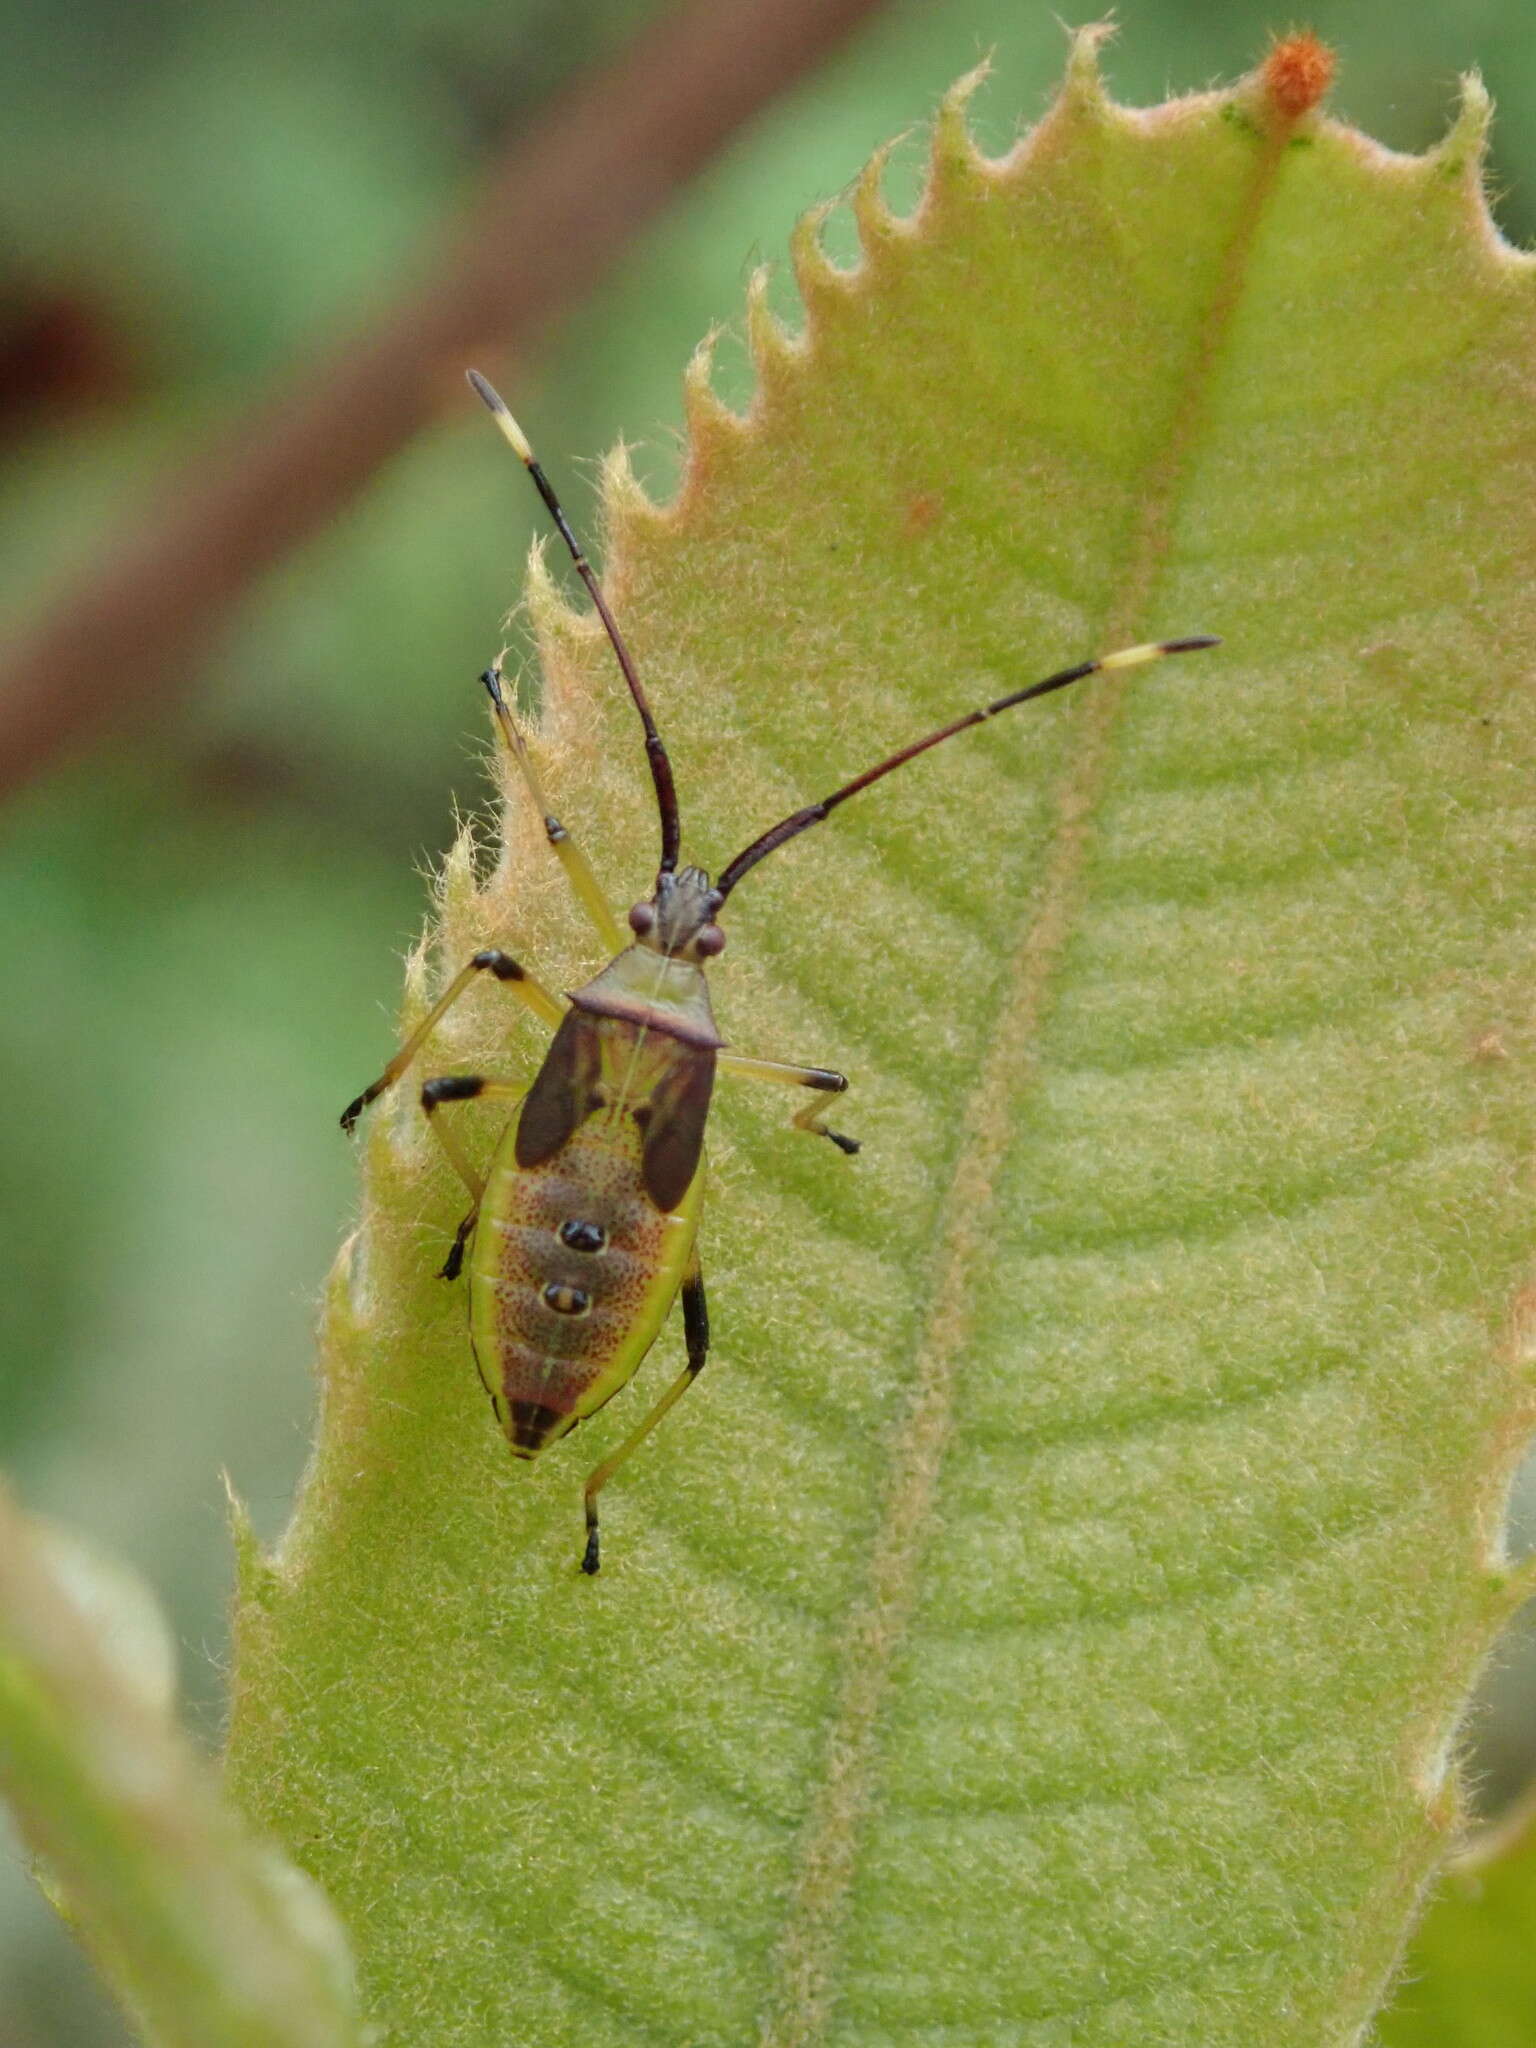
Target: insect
{"points": [[583, 1229]]}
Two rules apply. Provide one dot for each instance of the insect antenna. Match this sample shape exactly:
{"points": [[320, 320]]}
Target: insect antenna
{"points": [[656, 753], [800, 821]]}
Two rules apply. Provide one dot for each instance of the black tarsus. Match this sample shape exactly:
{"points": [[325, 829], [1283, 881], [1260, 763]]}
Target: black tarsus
{"points": [[554, 831], [450, 1088], [358, 1104], [502, 965], [696, 1338], [696, 1323], [453, 1265]]}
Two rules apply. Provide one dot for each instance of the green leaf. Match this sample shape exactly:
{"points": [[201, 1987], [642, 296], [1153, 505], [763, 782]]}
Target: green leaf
{"points": [[1048, 1618], [1468, 1981], [210, 1938]]}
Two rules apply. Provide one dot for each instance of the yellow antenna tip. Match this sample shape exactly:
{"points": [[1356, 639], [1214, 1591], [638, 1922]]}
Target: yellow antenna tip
{"points": [[1154, 650], [496, 406], [1132, 657]]}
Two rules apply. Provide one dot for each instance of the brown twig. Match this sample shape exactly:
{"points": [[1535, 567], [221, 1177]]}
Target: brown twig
{"points": [[556, 207]]}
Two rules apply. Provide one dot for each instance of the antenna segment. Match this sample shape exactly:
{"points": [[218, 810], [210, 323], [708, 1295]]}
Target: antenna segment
{"points": [[800, 821], [655, 751]]}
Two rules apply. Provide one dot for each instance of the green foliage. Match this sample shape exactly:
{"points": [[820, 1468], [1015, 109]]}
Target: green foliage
{"points": [[1468, 1980], [1050, 1616], [207, 1936]]}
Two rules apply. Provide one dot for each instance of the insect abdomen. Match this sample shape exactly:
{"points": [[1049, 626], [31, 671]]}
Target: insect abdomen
{"points": [[572, 1273]]}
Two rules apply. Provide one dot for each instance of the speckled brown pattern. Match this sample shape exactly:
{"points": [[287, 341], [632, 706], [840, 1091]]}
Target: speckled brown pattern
{"points": [[548, 1367]]}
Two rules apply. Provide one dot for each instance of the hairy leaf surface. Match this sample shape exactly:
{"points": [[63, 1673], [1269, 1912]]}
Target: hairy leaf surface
{"points": [[1047, 1619]]}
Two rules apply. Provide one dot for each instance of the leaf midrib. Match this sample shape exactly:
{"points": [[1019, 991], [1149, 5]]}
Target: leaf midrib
{"points": [[802, 1994]]}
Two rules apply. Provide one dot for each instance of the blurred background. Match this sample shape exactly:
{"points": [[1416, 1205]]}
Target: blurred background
{"points": [[202, 905]]}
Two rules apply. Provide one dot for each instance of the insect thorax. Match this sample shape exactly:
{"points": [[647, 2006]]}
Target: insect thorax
{"points": [[646, 987]]}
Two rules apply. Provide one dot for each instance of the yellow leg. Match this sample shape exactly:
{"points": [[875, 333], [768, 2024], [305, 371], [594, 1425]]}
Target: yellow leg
{"points": [[506, 969], [570, 856], [824, 1079], [696, 1336], [461, 1088]]}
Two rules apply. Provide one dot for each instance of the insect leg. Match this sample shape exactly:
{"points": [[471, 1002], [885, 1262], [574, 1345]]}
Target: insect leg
{"points": [[570, 856], [824, 1079], [506, 969], [696, 1336], [453, 1265], [460, 1088]]}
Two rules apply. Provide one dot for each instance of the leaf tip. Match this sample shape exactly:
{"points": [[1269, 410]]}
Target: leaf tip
{"points": [[1437, 1780], [769, 341], [877, 224], [816, 275], [1296, 74], [1083, 85], [549, 614], [625, 500], [456, 885], [254, 1569], [953, 148], [416, 999], [711, 424], [239, 1514], [1465, 144]]}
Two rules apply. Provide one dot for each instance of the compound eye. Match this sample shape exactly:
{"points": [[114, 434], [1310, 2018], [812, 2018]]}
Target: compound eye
{"points": [[642, 919], [709, 941]]}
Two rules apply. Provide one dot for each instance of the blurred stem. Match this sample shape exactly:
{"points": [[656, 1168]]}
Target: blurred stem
{"points": [[556, 208], [203, 1931]]}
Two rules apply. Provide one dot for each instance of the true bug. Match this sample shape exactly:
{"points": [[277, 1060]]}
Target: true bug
{"points": [[583, 1230]]}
